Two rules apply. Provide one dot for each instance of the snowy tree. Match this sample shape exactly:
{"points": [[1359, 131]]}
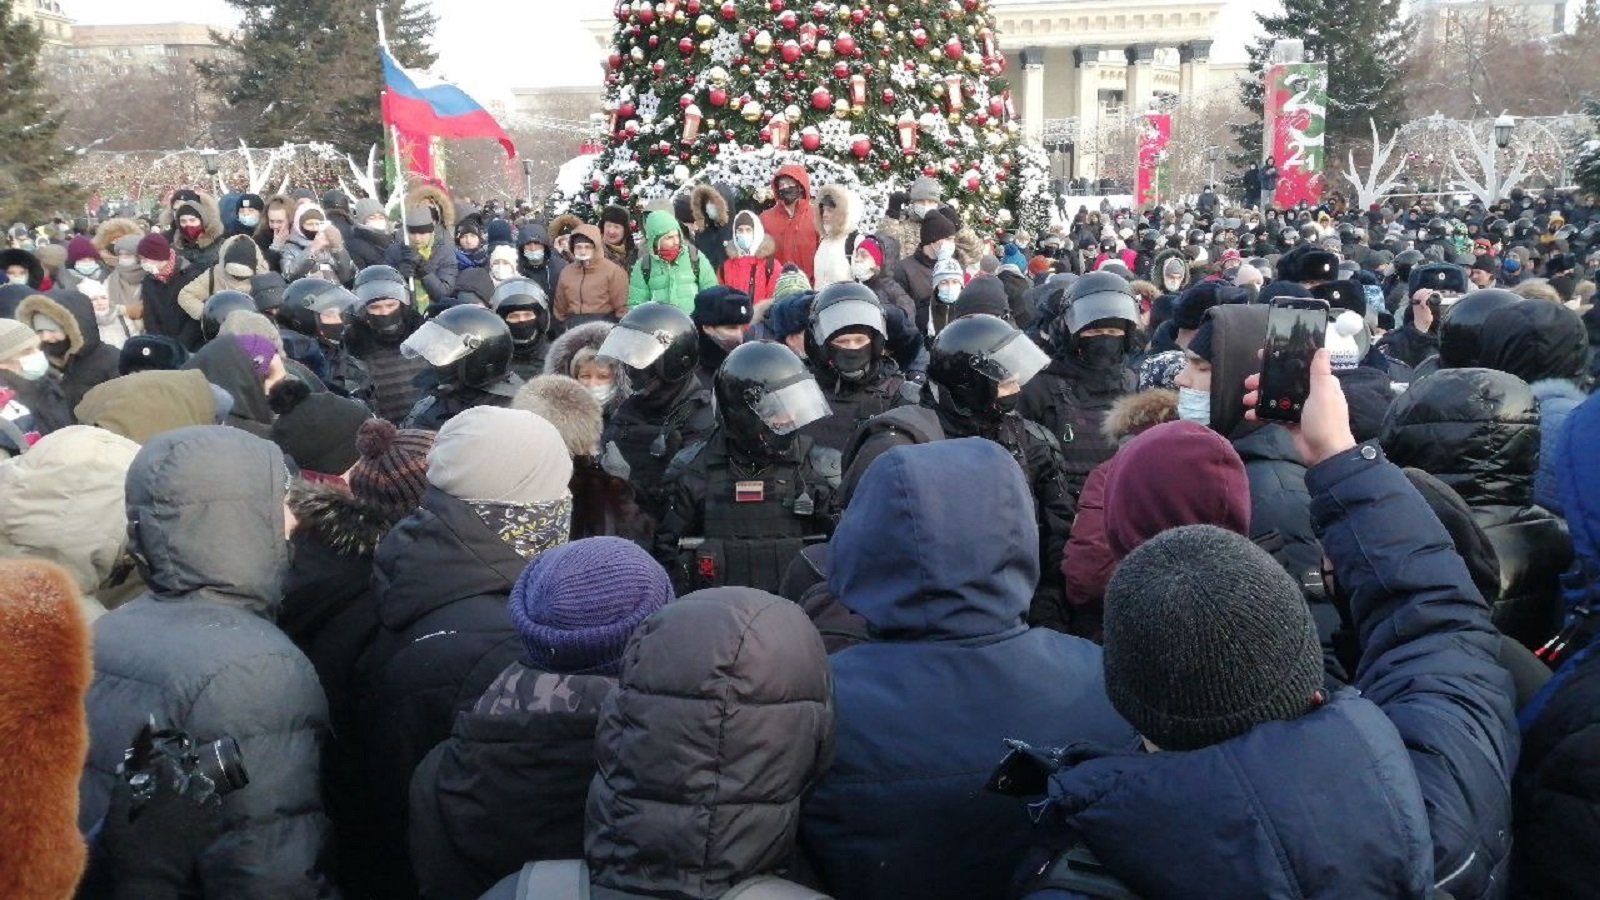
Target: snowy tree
{"points": [[32, 159]]}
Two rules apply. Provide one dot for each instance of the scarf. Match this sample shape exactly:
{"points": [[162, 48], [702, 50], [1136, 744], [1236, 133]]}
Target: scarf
{"points": [[529, 529]]}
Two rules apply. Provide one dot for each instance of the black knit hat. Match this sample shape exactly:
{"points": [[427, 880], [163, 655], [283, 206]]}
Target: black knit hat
{"points": [[317, 430], [252, 201], [935, 227], [1206, 637], [722, 306], [616, 214], [241, 252]]}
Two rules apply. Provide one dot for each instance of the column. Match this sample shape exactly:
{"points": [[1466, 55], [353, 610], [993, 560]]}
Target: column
{"points": [[1141, 77], [1087, 59], [1032, 94], [1194, 67]]}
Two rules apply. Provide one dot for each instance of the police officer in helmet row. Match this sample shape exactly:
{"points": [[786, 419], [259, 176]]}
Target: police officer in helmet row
{"points": [[469, 349], [846, 340]]}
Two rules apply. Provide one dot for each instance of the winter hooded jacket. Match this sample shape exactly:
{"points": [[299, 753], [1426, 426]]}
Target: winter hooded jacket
{"points": [[596, 288], [441, 578], [1558, 776], [1477, 430], [88, 361], [201, 252], [15, 256], [953, 670], [656, 280], [144, 404], [794, 235], [122, 285], [578, 346], [548, 273], [721, 724], [1548, 347], [62, 501], [200, 653], [755, 272], [832, 260], [225, 365], [711, 236], [194, 295], [296, 259], [1395, 790]]}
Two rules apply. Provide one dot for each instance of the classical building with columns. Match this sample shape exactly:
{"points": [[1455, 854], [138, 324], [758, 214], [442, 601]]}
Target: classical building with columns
{"points": [[1076, 64]]}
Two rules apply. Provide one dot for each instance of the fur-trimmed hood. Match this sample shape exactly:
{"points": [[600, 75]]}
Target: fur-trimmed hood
{"points": [[566, 404], [109, 232], [703, 194], [845, 199], [567, 224], [765, 245], [73, 312], [336, 517], [1135, 413], [210, 220], [44, 733], [444, 208], [581, 343]]}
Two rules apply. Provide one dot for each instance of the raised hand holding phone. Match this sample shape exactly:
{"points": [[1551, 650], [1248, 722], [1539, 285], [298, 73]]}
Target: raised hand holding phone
{"points": [[1324, 427]]}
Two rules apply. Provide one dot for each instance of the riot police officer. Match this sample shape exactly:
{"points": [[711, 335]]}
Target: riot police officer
{"points": [[336, 309], [846, 341], [743, 503], [1088, 372], [978, 368], [526, 309], [469, 350], [383, 321], [669, 409], [217, 309]]}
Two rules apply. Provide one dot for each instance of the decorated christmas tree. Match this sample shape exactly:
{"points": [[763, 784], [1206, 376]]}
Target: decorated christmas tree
{"points": [[871, 95]]}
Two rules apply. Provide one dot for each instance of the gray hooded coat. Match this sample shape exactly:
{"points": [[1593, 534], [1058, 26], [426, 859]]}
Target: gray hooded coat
{"points": [[200, 653]]}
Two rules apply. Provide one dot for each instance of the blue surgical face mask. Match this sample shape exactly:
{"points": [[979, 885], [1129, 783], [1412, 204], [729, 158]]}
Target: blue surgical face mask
{"points": [[1194, 406], [534, 257], [249, 220]]}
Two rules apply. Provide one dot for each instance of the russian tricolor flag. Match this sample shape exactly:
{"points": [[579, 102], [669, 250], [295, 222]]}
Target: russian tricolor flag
{"points": [[421, 104]]}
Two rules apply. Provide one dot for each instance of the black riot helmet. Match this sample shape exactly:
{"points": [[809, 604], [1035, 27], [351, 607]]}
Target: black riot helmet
{"points": [[847, 308], [337, 300], [1149, 239], [217, 309], [1096, 297], [1348, 234], [385, 283], [1461, 331], [973, 356], [1438, 229], [657, 342], [467, 345], [1404, 261], [522, 295], [1287, 237], [299, 301], [382, 272], [764, 394]]}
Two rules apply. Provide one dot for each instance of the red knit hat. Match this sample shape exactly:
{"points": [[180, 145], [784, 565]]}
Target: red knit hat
{"points": [[393, 470], [154, 246], [870, 244], [1038, 265]]}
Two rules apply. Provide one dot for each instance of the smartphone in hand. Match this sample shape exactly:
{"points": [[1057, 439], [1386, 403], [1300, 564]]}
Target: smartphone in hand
{"points": [[1296, 330]]}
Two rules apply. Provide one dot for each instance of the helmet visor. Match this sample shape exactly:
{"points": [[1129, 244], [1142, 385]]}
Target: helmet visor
{"points": [[793, 407], [381, 290], [1018, 358], [438, 345], [848, 314], [337, 299], [635, 349], [1101, 305]]}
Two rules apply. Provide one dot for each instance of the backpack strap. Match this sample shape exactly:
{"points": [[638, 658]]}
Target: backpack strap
{"points": [[554, 879], [771, 887]]}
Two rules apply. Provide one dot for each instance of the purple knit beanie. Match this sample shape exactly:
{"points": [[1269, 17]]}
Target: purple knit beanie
{"points": [[576, 606]]}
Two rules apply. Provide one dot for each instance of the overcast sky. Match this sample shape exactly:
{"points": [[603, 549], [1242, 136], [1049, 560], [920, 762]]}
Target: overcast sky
{"points": [[490, 47]]}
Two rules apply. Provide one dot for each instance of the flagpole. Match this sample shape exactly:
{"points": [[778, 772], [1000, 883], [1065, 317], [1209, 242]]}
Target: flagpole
{"points": [[391, 133]]}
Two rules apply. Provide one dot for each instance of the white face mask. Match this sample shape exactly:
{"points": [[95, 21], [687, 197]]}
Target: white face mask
{"points": [[34, 365], [128, 262], [151, 267], [712, 213], [861, 271], [238, 270], [949, 293], [744, 242], [249, 220], [602, 393], [16, 279], [1194, 406], [502, 271], [86, 267], [583, 255]]}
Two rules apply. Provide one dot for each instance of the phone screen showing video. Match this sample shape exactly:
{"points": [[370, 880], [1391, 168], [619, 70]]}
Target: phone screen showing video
{"points": [[1295, 332]]}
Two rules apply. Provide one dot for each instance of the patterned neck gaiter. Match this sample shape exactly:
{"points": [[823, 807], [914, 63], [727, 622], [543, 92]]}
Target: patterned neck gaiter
{"points": [[529, 529]]}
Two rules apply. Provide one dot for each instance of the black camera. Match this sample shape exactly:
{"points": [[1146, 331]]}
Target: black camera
{"points": [[219, 761]]}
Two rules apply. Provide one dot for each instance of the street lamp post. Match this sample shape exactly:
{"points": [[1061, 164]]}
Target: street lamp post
{"points": [[1503, 128], [208, 159], [527, 175]]}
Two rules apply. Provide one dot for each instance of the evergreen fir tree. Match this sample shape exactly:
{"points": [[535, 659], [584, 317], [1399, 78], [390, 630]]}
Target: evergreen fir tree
{"points": [[32, 161], [871, 95], [308, 70], [1586, 168], [1364, 43]]}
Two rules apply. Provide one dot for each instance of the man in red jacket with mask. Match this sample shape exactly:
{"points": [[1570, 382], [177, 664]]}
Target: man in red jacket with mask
{"points": [[789, 222]]}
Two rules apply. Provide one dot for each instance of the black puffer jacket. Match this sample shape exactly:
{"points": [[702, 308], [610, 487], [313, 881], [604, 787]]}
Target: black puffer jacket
{"points": [[722, 722], [509, 785], [89, 362], [1477, 430], [441, 578], [200, 652]]}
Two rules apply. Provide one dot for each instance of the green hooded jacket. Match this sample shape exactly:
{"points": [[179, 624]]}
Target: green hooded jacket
{"points": [[656, 280]]}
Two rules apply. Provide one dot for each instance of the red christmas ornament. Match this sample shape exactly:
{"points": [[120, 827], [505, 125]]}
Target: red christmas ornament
{"points": [[973, 181], [727, 136], [625, 110], [692, 7], [788, 21], [686, 46], [971, 5], [997, 107], [791, 51], [808, 36], [654, 40], [857, 16], [647, 14], [821, 99], [810, 140], [888, 96], [730, 10], [657, 68], [622, 12], [719, 97], [886, 166], [861, 146], [776, 6], [919, 37], [844, 46], [841, 70], [931, 171], [594, 185], [623, 193], [617, 182], [614, 61], [819, 10], [686, 101], [953, 48]]}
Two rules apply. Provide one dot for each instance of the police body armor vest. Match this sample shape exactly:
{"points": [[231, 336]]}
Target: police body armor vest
{"points": [[756, 522], [647, 447], [1075, 418], [853, 410]]}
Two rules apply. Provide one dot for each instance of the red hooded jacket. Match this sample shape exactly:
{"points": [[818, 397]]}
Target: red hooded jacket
{"points": [[793, 236]]}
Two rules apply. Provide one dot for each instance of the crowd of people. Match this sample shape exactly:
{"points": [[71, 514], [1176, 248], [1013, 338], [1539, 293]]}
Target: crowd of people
{"points": [[733, 546]]}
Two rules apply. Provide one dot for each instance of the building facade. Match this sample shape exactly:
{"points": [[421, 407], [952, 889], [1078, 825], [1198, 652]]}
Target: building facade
{"points": [[52, 21], [121, 49], [1451, 22]]}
